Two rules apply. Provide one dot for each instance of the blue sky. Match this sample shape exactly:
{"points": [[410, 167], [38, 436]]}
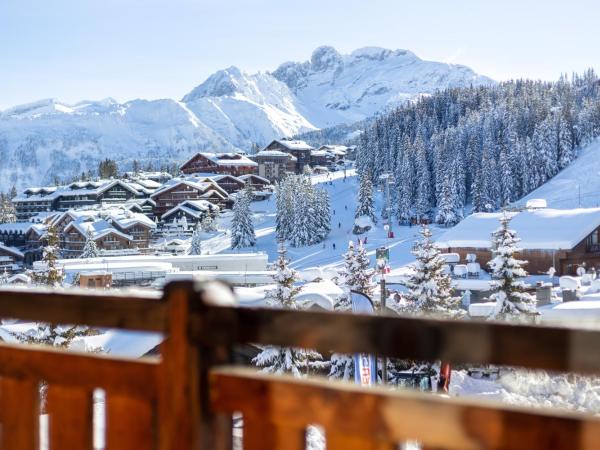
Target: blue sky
{"points": [[92, 49]]}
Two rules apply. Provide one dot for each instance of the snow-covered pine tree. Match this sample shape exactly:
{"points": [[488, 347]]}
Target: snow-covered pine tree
{"points": [[284, 191], [303, 229], [430, 290], [90, 249], [242, 228], [357, 273], [424, 186], [196, 244], [7, 210], [55, 335], [366, 206], [323, 214], [512, 302], [208, 223], [277, 359], [356, 276], [447, 204], [52, 275]]}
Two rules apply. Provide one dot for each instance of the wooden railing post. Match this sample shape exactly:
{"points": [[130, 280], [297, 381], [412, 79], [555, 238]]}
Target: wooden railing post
{"points": [[185, 418], [178, 406]]}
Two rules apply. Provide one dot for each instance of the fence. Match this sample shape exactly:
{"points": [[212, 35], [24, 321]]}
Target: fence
{"points": [[184, 398]]}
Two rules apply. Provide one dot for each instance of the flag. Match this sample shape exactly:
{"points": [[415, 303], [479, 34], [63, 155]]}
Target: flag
{"points": [[365, 367]]}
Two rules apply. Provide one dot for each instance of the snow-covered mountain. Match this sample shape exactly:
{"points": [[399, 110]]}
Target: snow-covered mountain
{"points": [[332, 88], [48, 139]]}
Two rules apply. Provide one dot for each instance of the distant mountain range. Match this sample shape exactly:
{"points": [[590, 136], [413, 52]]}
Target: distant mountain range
{"points": [[230, 110]]}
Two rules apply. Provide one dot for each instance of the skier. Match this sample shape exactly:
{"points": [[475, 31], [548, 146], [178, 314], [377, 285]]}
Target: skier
{"points": [[346, 206], [365, 241], [334, 245], [339, 224]]}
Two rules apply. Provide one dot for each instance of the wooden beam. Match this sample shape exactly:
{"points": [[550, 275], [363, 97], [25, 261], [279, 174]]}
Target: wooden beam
{"points": [[79, 308], [550, 348], [394, 416], [19, 414], [83, 370]]}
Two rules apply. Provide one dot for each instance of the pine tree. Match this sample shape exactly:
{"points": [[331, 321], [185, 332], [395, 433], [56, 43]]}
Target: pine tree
{"points": [[512, 302], [366, 206], [55, 335], [285, 360], [447, 204], [357, 274], [242, 227], [424, 186], [208, 223], [196, 244], [430, 290], [53, 275], [90, 249]]}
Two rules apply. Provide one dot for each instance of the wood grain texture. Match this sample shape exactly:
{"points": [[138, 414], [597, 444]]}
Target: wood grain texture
{"points": [[19, 414], [70, 416], [106, 311], [380, 415], [80, 369], [130, 423], [262, 435], [550, 348]]}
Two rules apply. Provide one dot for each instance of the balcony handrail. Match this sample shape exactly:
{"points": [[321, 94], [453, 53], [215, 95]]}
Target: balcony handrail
{"points": [[185, 397]]}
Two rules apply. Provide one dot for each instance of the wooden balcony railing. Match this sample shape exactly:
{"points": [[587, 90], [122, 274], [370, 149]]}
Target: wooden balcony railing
{"points": [[185, 397]]}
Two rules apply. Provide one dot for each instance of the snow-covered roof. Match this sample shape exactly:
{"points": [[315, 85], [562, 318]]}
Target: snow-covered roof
{"points": [[249, 176], [544, 229], [201, 184], [19, 278], [136, 187], [226, 159], [12, 250], [15, 227], [275, 153], [195, 208], [98, 229], [294, 144]]}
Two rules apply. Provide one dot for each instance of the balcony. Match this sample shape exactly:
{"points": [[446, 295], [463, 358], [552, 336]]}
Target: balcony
{"points": [[186, 396]]}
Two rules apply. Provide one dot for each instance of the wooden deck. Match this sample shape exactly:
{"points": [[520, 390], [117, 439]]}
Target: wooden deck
{"points": [[185, 397]]}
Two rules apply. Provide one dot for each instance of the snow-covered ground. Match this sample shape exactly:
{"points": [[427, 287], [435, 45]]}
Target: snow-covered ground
{"points": [[577, 185], [342, 193]]}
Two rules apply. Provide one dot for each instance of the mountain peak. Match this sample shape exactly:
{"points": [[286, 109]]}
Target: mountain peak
{"points": [[324, 58], [219, 84]]}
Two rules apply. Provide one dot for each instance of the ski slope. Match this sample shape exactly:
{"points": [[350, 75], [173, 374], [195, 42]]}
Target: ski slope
{"points": [[578, 185], [342, 194]]}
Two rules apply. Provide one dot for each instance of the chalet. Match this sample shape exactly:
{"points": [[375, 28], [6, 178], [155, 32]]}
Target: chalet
{"points": [[100, 230], [229, 183], [178, 190], [10, 258], [194, 212], [80, 194], [132, 230], [340, 152], [322, 158], [231, 163], [563, 239], [275, 164], [256, 182], [299, 149]]}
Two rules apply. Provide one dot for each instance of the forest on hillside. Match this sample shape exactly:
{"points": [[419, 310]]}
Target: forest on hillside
{"points": [[485, 146]]}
